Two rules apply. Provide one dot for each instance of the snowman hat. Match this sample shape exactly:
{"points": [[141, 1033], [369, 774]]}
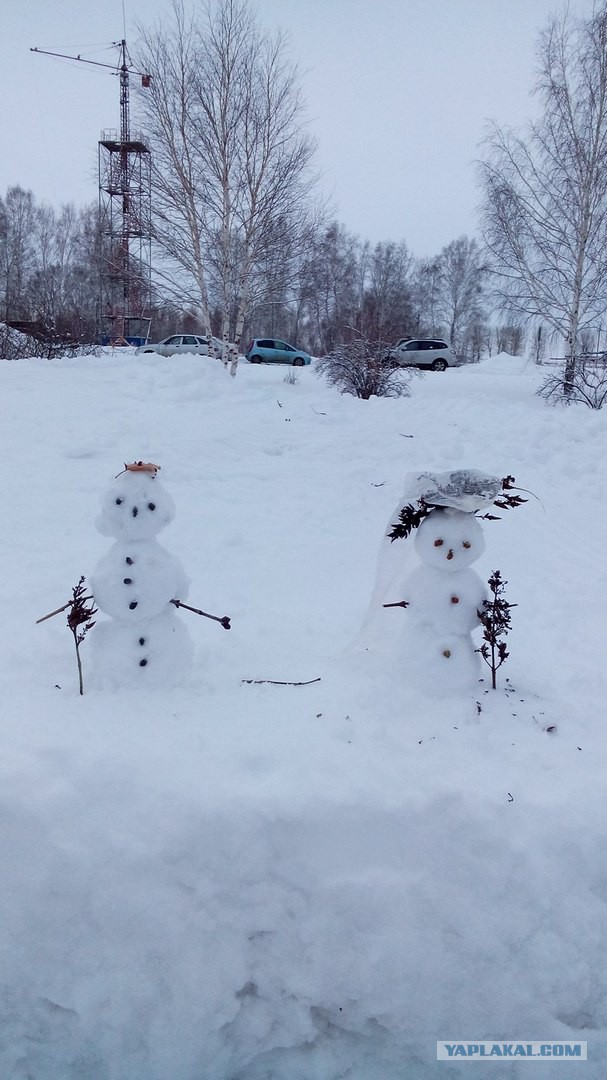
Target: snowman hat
{"points": [[466, 490], [140, 466]]}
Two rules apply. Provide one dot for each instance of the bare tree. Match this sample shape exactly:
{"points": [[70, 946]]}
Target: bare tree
{"points": [[459, 294], [425, 296], [232, 159], [48, 269], [545, 192], [510, 338], [387, 296], [17, 250], [330, 286], [57, 238], [447, 297], [179, 174]]}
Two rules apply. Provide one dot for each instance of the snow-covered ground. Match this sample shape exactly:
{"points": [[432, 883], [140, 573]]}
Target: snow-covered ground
{"points": [[232, 881]]}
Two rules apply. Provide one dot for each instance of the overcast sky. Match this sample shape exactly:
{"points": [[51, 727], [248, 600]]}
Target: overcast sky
{"points": [[398, 94]]}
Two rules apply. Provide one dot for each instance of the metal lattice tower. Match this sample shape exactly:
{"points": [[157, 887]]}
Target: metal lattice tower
{"points": [[125, 203]]}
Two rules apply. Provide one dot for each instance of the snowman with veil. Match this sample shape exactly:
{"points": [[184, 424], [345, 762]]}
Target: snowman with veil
{"points": [[429, 582]]}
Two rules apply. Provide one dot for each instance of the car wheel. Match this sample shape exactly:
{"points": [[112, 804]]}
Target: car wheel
{"points": [[255, 359], [439, 365], [298, 361], [148, 352]]}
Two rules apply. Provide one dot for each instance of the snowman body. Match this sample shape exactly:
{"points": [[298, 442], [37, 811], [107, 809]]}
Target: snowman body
{"points": [[137, 579], [444, 596], [144, 643]]}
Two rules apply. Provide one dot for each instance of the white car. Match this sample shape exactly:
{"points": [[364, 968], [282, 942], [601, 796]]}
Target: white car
{"points": [[177, 344], [218, 347], [428, 353]]}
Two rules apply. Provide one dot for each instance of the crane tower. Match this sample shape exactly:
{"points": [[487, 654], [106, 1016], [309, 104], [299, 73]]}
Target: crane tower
{"points": [[125, 203]]}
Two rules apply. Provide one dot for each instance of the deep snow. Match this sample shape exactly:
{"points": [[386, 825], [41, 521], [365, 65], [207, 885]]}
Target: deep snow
{"points": [[233, 881]]}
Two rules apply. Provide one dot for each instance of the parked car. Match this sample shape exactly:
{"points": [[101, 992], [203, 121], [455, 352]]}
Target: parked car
{"points": [[271, 350], [178, 344], [427, 353]]}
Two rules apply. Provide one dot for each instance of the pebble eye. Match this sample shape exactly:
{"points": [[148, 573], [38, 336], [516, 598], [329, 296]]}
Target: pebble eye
{"points": [[118, 502], [467, 544], [438, 543], [151, 506]]}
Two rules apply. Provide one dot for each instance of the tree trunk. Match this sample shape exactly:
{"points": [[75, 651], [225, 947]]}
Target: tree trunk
{"points": [[243, 299]]}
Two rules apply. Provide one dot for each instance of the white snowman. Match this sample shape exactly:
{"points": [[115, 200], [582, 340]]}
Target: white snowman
{"points": [[444, 596], [144, 643], [432, 578]]}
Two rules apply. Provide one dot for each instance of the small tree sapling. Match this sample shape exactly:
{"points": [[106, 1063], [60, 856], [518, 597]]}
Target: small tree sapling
{"points": [[80, 620], [495, 620]]}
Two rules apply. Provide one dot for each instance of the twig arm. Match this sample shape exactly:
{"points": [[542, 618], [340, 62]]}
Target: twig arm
{"points": [[223, 619], [59, 610]]}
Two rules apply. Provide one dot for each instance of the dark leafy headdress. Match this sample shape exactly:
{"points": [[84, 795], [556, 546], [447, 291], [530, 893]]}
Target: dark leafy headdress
{"points": [[467, 490]]}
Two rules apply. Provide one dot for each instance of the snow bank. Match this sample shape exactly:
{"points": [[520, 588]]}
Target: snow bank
{"points": [[237, 881]]}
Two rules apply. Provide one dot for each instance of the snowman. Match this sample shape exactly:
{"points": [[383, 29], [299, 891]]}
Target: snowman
{"points": [[144, 643], [443, 596], [432, 578]]}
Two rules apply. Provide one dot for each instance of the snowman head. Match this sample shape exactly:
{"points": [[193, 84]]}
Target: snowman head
{"points": [[449, 540], [135, 507]]}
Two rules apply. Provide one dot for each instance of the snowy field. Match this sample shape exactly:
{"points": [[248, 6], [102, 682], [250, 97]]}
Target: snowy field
{"points": [[232, 881]]}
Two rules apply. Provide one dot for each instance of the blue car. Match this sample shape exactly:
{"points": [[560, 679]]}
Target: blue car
{"points": [[270, 350]]}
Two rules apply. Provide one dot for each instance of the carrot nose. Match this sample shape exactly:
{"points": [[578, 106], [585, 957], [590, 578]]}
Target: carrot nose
{"points": [[450, 553]]}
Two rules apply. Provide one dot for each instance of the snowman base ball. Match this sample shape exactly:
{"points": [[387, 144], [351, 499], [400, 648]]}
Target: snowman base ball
{"points": [[440, 665], [158, 653]]}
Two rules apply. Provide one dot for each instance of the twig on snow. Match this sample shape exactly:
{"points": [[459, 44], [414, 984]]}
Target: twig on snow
{"points": [[277, 682]]}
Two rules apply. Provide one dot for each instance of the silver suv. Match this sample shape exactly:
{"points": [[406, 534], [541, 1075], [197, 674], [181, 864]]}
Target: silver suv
{"points": [[429, 353]]}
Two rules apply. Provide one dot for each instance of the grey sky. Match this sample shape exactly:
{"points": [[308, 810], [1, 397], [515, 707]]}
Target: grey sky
{"points": [[398, 94]]}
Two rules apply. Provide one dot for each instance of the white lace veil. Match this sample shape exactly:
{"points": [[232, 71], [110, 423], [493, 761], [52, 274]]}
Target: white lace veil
{"points": [[467, 490]]}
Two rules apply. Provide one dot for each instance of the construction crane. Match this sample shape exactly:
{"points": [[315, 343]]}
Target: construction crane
{"points": [[125, 202]]}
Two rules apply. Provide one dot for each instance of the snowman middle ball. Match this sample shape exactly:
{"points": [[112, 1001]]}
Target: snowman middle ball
{"points": [[136, 579]]}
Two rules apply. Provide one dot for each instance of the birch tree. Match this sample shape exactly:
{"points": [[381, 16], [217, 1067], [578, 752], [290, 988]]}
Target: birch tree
{"points": [[545, 192], [274, 165], [179, 177], [232, 158]]}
